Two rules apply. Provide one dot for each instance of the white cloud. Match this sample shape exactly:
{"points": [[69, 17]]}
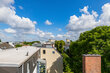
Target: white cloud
{"points": [[85, 10], [21, 27], [88, 20], [59, 36], [8, 16], [19, 24], [6, 3], [47, 22], [59, 29], [83, 22], [20, 7], [9, 30], [44, 35], [105, 16]]}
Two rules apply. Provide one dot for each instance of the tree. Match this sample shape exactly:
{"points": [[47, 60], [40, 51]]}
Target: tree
{"points": [[95, 41], [18, 45], [30, 43], [60, 45], [66, 65]]}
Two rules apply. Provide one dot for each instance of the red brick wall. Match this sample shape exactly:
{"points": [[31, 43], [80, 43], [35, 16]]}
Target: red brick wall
{"points": [[91, 64]]}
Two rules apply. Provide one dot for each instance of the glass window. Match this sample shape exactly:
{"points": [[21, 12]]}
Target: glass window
{"points": [[28, 70], [44, 52], [53, 52]]}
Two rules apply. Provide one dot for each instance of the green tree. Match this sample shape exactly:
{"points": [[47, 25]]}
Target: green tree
{"points": [[66, 65], [66, 60], [30, 43], [18, 45], [95, 41], [60, 45]]}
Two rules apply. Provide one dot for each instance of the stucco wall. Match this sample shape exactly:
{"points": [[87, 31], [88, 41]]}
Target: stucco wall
{"points": [[54, 63]]}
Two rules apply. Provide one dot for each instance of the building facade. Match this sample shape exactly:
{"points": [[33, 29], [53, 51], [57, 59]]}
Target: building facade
{"points": [[53, 59]]}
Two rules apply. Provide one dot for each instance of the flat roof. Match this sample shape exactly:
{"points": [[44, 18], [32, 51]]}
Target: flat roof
{"points": [[15, 57]]}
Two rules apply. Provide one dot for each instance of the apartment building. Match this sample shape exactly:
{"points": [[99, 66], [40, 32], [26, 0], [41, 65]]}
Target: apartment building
{"points": [[53, 60], [19, 60]]}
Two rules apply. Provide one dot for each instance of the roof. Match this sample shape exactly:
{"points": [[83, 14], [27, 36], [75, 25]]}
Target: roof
{"points": [[5, 45], [17, 56]]}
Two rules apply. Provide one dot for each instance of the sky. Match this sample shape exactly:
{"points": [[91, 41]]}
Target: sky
{"points": [[31, 20]]}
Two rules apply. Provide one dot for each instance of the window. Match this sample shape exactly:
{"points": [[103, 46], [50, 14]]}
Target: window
{"points": [[33, 61], [44, 51], [28, 70], [44, 59], [53, 52], [23, 68]]}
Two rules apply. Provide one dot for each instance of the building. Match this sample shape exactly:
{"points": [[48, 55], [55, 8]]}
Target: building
{"points": [[67, 44], [50, 40], [91, 63], [19, 60], [48, 45], [37, 44], [67, 41], [5, 45], [12, 44], [52, 59]]}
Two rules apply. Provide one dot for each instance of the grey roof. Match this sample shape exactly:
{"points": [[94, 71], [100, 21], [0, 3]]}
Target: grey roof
{"points": [[15, 57], [5, 45]]}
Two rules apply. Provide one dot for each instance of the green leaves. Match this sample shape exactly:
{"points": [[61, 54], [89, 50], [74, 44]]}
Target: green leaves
{"points": [[60, 45], [96, 41]]}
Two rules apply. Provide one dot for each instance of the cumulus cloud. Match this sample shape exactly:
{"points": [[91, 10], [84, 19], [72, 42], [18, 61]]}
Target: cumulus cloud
{"points": [[45, 35], [59, 29], [8, 16], [47, 22], [18, 25], [83, 22], [105, 16], [89, 20], [21, 27], [6, 3], [20, 7], [85, 10], [59, 36], [10, 30]]}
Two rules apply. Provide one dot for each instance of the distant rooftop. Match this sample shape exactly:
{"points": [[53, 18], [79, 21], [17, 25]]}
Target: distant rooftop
{"points": [[15, 57], [5, 45]]}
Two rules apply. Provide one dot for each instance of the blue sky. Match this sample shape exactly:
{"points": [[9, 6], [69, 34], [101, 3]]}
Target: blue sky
{"points": [[57, 12]]}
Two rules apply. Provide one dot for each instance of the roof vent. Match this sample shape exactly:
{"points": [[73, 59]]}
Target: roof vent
{"points": [[27, 54], [16, 48]]}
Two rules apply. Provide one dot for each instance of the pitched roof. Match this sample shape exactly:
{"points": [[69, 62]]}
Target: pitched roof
{"points": [[5, 45]]}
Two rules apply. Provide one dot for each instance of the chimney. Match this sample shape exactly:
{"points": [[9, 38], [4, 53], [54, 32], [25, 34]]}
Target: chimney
{"points": [[91, 63]]}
